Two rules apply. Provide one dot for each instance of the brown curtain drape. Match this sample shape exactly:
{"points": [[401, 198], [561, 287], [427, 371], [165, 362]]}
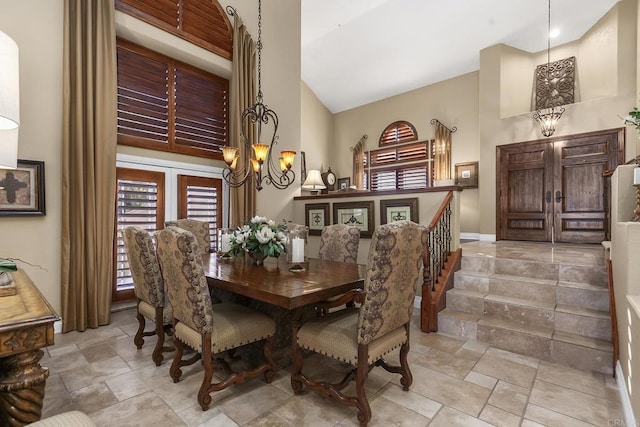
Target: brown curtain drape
{"points": [[358, 163], [243, 95], [88, 162], [442, 160]]}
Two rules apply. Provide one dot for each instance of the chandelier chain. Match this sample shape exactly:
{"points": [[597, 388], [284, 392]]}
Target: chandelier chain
{"points": [[259, 46]]}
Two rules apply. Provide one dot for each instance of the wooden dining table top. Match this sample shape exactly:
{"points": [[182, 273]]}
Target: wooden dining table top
{"points": [[275, 284]]}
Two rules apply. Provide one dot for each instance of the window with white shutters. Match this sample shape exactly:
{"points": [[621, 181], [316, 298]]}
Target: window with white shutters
{"points": [[140, 202]]}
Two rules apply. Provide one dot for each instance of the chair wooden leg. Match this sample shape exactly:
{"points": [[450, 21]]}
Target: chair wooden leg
{"points": [[296, 372], [137, 339], [364, 410], [407, 377], [204, 394], [160, 331], [175, 370], [268, 355]]}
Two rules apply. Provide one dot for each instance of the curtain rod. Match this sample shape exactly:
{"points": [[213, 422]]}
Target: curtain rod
{"points": [[362, 140], [231, 11], [434, 121]]}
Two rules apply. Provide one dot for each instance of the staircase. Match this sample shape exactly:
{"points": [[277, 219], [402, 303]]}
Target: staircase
{"points": [[556, 312]]}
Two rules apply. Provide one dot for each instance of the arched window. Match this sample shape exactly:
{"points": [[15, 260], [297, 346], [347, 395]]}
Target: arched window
{"points": [[398, 132]]}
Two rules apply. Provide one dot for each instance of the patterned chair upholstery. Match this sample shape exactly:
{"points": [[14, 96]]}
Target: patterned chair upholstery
{"points": [[339, 242], [149, 288], [200, 229], [65, 419], [362, 336], [208, 329]]}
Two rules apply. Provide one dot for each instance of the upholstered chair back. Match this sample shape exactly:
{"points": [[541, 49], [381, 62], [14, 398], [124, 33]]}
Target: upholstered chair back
{"points": [[339, 242], [145, 269], [393, 269], [184, 275], [200, 229]]}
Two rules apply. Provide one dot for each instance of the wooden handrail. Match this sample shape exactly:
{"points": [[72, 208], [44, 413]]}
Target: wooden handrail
{"points": [[440, 211]]}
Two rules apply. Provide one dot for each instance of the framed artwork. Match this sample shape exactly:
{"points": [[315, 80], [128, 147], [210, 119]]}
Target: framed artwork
{"points": [[344, 183], [316, 217], [359, 214], [467, 174], [398, 210], [22, 189]]}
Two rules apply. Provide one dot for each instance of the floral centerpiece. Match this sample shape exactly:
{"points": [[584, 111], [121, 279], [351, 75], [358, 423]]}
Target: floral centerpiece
{"points": [[260, 238], [633, 118]]}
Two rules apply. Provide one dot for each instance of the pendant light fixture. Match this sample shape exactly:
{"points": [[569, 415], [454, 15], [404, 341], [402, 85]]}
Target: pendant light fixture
{"points": [[258, 167], [548, 117]]}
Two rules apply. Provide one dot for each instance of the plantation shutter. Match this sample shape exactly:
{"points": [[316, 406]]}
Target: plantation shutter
{"points": [[201, 22], [398, 132], [139, 201], [143, 97], [200, 198], [403, 167]]}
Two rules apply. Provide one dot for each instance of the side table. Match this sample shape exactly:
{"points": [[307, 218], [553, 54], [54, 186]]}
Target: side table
{"points": [[26, 325]]}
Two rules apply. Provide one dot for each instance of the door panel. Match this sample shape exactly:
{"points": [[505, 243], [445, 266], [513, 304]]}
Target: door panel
{"points": [[524, 183], [555, 190]]}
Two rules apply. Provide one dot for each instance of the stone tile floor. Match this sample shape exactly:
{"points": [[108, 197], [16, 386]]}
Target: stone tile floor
{"points": [[455, 382]]}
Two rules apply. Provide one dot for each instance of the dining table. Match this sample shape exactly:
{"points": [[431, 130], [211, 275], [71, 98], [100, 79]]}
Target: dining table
{"points": [[277, 291]]}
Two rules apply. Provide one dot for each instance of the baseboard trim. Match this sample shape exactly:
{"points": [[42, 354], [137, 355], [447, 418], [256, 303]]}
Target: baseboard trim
{"points": [[487, 237], [469, 236], [629, 418], [417, 301], [57, 327]]}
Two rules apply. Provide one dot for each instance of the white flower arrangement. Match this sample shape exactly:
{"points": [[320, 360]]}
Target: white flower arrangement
{"points": [[259, 235]]}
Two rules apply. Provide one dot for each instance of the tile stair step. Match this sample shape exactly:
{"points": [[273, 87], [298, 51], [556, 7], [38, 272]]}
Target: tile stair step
{"points": [[472, 280], [458, 323], [523, 268], [581, 352], [477, 263], [530, 288], [583, 295], [594, 275], [583, 321], [465, 300], [506, 335], [524, 312]]}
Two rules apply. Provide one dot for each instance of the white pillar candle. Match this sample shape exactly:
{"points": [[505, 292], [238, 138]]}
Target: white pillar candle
{"points": [[636, 176], [297, 250], [225, 245]]}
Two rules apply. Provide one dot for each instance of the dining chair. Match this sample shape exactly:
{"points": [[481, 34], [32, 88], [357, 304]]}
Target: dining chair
{"points": [[339, 242], [152, 301], [200, 229], [206, 328], [362, 336]]}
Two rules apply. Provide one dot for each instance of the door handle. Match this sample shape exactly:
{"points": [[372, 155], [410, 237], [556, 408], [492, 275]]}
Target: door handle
{"points": [[559, 197], [548, 196]]}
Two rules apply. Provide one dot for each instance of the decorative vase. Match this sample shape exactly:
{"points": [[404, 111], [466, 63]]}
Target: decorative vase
{"points": [[257, 258]]}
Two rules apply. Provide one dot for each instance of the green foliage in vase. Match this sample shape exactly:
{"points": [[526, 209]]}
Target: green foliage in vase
{"points": [[633, 118]]}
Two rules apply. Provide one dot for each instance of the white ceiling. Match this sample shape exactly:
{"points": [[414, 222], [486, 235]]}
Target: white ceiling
{"points": [[359, 51]]}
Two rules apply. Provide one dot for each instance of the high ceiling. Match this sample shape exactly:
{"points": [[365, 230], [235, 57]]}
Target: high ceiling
{"points": [[359, 51]]}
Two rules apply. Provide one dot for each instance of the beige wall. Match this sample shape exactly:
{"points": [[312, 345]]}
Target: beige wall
{"points": [[454, 102], [607, 89], [36, 26], [316, 129]]}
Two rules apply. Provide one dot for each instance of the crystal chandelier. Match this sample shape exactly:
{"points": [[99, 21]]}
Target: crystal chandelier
{"points": [[259, 167], [547, 118]]}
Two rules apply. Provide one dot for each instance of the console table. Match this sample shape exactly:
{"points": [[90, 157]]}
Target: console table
{"points": [[26, 325]]}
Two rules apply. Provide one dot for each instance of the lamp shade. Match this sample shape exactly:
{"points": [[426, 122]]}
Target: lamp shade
{"points": [[9, 83], [314, 181], [8, 148]]}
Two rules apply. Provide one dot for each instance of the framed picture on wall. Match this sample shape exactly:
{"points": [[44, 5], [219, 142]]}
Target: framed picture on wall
{"points": [[359, 214], [398, 210], [467, 174], [22, 189], [344, 183], [316, 216]]}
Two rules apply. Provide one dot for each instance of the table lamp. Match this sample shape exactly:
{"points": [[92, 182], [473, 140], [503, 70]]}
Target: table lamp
{"points": [[9, 102], [314, 182]]}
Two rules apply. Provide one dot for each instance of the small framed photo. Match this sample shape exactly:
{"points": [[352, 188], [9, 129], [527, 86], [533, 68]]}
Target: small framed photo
{"points": [[359, 214], [467, 174], [344, 183], [316, 217], [22, 189], [398, 210]]}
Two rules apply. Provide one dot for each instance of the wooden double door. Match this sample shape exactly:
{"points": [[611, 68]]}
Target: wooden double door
{"points": [[555, 190]]}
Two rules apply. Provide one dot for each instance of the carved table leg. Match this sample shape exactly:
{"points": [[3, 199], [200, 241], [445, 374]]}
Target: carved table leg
{"points": [[22, 384]]}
